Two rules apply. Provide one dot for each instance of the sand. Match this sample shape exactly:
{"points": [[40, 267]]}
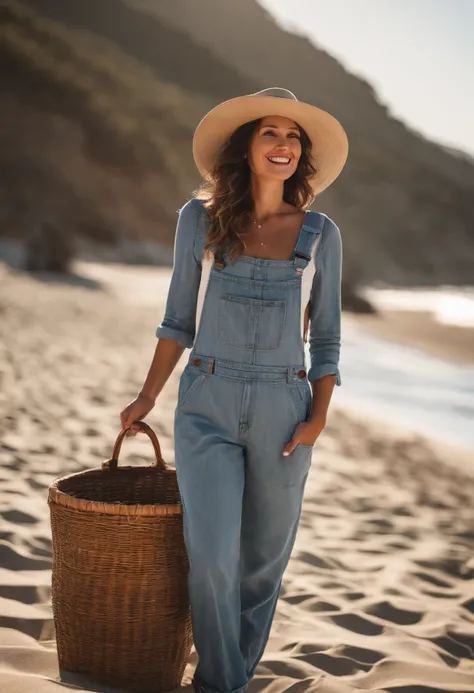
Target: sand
{"points": [[379, 593]]}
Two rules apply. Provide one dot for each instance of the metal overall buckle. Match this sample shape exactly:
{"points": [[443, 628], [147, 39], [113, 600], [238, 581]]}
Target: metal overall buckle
{"points": [[301, 256]]}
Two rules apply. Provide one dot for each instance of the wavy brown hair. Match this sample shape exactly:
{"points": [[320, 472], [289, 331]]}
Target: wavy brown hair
{"points": [[227, 194]]}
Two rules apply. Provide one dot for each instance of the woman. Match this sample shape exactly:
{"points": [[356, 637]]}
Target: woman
{"points": [[254, 272]]}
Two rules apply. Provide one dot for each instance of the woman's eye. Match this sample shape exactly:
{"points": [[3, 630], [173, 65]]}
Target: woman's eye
{"points": [[291, 134]]}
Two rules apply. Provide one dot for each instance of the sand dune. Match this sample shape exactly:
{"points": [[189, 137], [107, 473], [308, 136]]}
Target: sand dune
{"points": [[379, 593]]}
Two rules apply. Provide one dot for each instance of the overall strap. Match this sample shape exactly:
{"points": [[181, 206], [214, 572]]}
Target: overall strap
{"points": [[207, 261], [305, 261], [307, 241], [206, 265]]}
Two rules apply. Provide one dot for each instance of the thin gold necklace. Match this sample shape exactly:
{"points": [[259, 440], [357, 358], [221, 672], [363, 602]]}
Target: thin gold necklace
{"points": [[259, 226]]}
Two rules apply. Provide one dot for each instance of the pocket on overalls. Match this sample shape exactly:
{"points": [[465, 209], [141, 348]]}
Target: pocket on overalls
{"points": [[297, 465], [189, 381], [271, 323], [301, 397], [250, 323]]}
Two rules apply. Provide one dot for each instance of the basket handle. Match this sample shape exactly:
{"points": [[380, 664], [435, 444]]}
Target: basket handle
{"points": [[112, 463]]}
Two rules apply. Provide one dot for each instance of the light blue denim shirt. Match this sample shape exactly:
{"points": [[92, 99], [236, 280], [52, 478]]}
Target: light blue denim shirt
{"points": [[179, 321]]}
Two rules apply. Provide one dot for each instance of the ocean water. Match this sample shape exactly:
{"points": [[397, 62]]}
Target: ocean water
{"points": [[448, 305], [404, 385]]}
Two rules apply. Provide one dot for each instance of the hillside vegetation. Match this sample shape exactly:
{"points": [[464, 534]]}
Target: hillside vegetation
{"points": [[88, 133]]}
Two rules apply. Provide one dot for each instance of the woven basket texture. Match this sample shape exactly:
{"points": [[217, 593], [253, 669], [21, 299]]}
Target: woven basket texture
{"points": [[119, 576]]}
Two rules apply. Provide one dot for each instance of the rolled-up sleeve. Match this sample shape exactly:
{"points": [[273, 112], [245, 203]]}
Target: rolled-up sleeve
{"points": [[325, 306], [179, 321]]}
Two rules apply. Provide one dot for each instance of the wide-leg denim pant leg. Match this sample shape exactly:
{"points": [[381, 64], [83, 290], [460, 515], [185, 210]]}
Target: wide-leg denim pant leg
{"points": [[241, 502], [272, 504], [211, 476]]}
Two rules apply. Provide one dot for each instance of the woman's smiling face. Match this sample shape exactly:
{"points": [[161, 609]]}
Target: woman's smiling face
{"points": [[275, 148]]}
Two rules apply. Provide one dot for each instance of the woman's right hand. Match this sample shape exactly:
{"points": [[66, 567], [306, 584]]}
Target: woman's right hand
{"points": [[136, 411]]}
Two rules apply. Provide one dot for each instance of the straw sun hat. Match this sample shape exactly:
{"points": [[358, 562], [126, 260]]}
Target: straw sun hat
{"points": [[328, 138]]}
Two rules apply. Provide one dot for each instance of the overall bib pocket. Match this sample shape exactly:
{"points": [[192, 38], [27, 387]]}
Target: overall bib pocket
{"points": [[250, 323], [189, 382]]}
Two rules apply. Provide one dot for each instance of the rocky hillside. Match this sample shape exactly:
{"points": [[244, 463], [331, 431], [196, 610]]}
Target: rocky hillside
{"points": [[100, 99]]}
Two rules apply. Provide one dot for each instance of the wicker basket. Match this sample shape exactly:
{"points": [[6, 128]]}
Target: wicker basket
{"points": [[119, 581]]}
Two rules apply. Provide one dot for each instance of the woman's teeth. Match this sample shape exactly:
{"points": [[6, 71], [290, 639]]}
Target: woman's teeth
{"points": [[279, 159]]}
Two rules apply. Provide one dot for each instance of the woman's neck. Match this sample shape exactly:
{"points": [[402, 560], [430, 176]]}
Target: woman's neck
{"points": [[267, 196]]}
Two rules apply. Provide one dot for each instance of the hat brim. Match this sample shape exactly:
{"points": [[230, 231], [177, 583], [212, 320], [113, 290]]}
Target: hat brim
{"points": [[328, 138]]}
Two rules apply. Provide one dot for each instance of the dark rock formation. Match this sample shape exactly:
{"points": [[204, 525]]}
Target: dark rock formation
{"points": [[48, 249]]}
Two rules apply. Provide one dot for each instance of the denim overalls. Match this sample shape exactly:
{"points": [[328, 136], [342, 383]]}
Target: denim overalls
{"points": [[241, 395]]}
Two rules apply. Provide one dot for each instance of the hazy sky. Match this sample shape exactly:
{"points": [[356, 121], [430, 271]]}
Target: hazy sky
{"points": [[417, 54]]}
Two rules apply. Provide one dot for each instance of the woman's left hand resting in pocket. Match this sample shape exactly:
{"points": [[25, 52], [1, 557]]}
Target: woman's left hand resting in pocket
{"points": [[307, 432]]}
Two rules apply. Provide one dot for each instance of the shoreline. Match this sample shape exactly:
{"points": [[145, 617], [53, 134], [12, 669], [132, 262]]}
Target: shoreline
{"points": [[419, 330], [422, 378]]}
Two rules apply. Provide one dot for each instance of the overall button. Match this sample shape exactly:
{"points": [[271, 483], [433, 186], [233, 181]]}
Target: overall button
{"points": [[302, 373], [196, 362]]}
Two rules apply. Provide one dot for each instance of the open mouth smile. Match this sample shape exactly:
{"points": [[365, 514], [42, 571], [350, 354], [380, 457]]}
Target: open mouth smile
{"points": [[279, 160]]}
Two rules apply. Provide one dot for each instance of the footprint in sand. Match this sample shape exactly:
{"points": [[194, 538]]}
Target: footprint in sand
{"points": [[353, 596], [450, 566], [402, 512], [318, 606], [331, 664], [333, 585], [427, 577], [19, 517], [317, 561], [27, 594], [296, 598], [415, 689], [361, 654], [388, 612], [469, 605], [456, 644], [17, 561], [39, 484], [357, 624]]}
